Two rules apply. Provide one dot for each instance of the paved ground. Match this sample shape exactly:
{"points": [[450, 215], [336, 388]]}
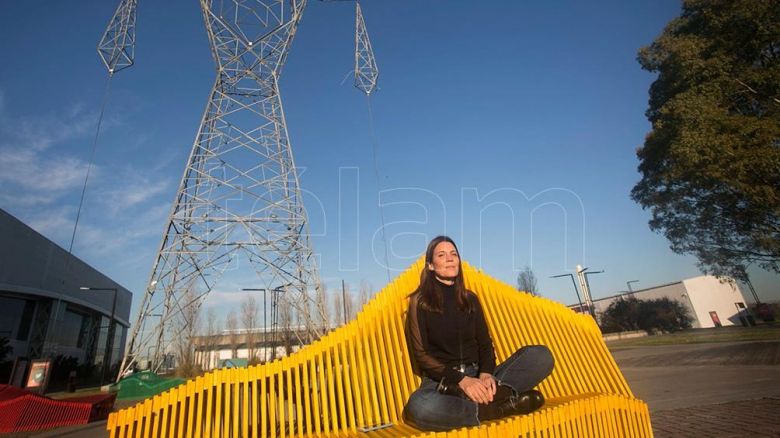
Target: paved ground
{"points": [[693, 390], [753, 418], [712, 390]]}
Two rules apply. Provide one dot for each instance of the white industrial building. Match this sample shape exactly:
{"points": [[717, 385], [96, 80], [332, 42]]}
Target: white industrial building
{"points": [[211, 351], [711, 301]]}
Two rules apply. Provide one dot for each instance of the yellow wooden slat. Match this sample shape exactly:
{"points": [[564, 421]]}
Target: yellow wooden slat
{"points": [[209, 394], [358, 384], [314, 389], [222, 415], [347, 379], [246, 416], [394, 369], [272, 398], [298, 387], [265, 420], [339, 391], [330, 388], [234, 426], [290, 409], [155, 417], [379, 369], [306, 387], [199, 412]]}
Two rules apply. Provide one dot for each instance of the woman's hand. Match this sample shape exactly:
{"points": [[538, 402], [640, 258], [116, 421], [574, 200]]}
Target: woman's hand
{"points": [[476, 390], [489, 381]]}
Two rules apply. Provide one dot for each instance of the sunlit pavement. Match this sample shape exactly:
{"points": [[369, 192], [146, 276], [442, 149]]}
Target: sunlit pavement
{"points": [[720, 389]]}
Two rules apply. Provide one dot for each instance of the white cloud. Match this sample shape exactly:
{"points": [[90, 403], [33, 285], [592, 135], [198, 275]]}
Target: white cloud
{"points": [[135, 188], [26, 200], [41, 132], [34, 170], [54, 223], [41, 173]]}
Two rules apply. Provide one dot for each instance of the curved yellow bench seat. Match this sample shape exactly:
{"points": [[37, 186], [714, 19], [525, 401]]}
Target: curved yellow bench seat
{"points": [[359, 376]]}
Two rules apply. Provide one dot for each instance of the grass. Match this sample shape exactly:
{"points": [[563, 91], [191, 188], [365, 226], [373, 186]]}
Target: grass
{"points": [[764, 332]]}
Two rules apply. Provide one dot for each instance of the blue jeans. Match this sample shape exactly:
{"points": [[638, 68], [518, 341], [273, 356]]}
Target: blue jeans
{"points": [[522, 371]]}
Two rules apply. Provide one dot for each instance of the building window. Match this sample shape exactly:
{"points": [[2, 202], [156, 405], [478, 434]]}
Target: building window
{"points": [[13, 324], [72, 329]]}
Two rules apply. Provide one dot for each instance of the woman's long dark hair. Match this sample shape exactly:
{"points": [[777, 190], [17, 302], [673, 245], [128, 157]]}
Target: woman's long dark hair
{"points": [[431, 298]]}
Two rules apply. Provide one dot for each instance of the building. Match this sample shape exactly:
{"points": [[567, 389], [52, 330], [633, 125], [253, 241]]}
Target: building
{"points": [[710, 301], [212, 351], [45, 311]]}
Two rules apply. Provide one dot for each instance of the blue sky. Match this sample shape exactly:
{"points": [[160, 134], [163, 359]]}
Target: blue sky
{"points": [[510, 125]]}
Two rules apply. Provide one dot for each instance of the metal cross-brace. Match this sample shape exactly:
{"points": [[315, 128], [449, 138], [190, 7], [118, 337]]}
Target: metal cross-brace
{"points": [[239, 199], [366, 71], [117, 47]]}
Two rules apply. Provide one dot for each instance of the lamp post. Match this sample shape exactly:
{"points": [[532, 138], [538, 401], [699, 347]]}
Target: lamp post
{"points": [[275, 312], [573, 283], [628, 283], [111, 328], [587, 284], [265, 316]]}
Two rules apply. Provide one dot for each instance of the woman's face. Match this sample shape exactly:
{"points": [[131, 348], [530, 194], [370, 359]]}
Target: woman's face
{"points": [[446, 262]]}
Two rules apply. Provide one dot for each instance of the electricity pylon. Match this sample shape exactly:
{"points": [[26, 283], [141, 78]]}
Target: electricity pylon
{"points": [[117, 46], [366, 70], [239, 199]]}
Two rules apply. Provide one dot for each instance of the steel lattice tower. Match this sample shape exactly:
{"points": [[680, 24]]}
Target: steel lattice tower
{"points": [[239, 203], [366, 70], [117, 46]]}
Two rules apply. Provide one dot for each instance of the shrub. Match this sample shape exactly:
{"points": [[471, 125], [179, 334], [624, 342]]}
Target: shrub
{"points": [[660, 314]]}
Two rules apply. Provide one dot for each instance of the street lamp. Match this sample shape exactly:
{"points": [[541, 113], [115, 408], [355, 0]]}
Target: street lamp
{"points": [[111, 327], [275, 312], [587, 284], [628, 283], [573, 284]]}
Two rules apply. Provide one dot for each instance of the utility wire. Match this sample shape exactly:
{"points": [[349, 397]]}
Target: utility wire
{"points": [[374, 148], [91, 161]]}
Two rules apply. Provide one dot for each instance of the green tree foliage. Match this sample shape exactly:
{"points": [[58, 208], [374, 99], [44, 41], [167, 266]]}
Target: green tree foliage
{"points": [[621, 315], [711, 164], [661, 314]]}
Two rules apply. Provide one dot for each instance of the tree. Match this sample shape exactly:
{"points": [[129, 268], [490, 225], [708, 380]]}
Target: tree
{"points": [[343, 306], [321, 308], [621, 315], [212, 339], [286, 325], [710, 164], [526, 281], [349, 304], [365, 293], [187, 323], [249, 320], [663, 314], [231, 324], [338, 309]]}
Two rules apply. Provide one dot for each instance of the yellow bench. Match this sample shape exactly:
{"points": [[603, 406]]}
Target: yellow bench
{"points": [[360, 375]]}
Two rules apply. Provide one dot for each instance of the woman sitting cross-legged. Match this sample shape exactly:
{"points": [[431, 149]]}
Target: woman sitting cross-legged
{"points": [[449, 338]]}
